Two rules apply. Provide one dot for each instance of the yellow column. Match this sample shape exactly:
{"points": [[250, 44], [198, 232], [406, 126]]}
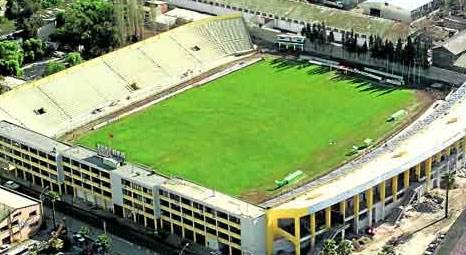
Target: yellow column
{"points": [[271, 225], [394, 187], [406, 179], [382, 191], [449, 150], [297, 235], [370, 198], [438, 156], [328, 217], [418, 172], [343, 209], [313, 225], [428, 168]]}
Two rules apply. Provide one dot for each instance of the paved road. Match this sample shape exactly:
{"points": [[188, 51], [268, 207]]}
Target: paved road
{"points": [[119, 245]]}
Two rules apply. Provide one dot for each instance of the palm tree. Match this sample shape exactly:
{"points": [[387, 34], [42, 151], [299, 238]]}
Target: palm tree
{"points": [[449, 179], [53, 196]]}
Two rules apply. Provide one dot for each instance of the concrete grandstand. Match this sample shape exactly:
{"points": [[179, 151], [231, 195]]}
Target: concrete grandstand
{"points": [[66, 100]]}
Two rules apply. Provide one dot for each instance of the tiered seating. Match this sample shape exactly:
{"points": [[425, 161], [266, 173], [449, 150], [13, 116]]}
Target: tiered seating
{"points": [[174, 59], [231, 34], [196, 43], [137, 68], [68, 99], [82, 89], [29, 106]]}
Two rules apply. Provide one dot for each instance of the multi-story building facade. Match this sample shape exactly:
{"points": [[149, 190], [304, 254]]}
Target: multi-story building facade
{"points": [[20, 216], [133, 192]]}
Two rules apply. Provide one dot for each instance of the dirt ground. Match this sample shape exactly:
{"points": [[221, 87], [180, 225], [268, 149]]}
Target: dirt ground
{"points": [[418, 229]]}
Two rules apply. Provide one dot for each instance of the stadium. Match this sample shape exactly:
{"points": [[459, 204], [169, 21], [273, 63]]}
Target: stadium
{"points": [[194, 133]]}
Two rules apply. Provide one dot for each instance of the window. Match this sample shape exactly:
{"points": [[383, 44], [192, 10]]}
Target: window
{"points": [[33, 213], [187, 222], [185, 201]]}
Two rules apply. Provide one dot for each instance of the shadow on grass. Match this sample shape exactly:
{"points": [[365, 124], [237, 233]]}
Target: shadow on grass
{"points": [[361, 82]]}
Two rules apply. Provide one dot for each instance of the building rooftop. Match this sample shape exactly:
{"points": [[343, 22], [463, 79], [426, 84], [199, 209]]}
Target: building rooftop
{"points": [[441, 126], [29, 137], [461, 61], [12, 200], [403, 4], [140, 174], [332, 17], [213, 198], [456, 44], [15, 200], [186, 14]]}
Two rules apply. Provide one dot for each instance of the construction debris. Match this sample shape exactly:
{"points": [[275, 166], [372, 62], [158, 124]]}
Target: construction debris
{"points": [[430, 204]]}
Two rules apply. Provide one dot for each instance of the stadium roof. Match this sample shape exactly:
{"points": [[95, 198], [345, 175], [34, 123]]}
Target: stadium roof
{"points": [[332, 17], [408, 5], [438, 128]]}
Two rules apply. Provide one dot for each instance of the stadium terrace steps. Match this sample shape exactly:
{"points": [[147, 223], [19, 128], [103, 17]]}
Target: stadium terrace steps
{"points": [[68, 99], [32, 108]]}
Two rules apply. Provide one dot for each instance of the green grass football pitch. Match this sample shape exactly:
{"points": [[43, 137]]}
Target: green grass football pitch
{"points": [[241, 132]]}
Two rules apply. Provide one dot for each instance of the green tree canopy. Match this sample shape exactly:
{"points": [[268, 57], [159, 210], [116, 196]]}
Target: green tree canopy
{"points": [[11, 58], [21, 9], [104, 242], [73, 58], [34, 49], [387, 250], [329, 248], [54, 67], [90, 24], [345, 247]]}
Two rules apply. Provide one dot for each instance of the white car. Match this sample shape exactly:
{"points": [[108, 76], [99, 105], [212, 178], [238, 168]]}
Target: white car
{"points": [[11, 185], [4, 248]]}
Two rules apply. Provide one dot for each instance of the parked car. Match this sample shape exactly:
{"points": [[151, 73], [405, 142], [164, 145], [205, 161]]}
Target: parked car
{"points": [[11, 185]]}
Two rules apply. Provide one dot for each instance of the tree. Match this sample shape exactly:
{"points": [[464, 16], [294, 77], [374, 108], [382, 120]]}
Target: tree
{"points": [[56, 244], [398, 54], [90, 24], [31, 25], [387, 250], [84, 231], [345, 247], [449, 179], [104, 242], [50, 3], [129, 20], [54, 67], [52, 195], [73, 58], [11, 58], [329, 248], [409, 52], [34, 49], [21, 9]]}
